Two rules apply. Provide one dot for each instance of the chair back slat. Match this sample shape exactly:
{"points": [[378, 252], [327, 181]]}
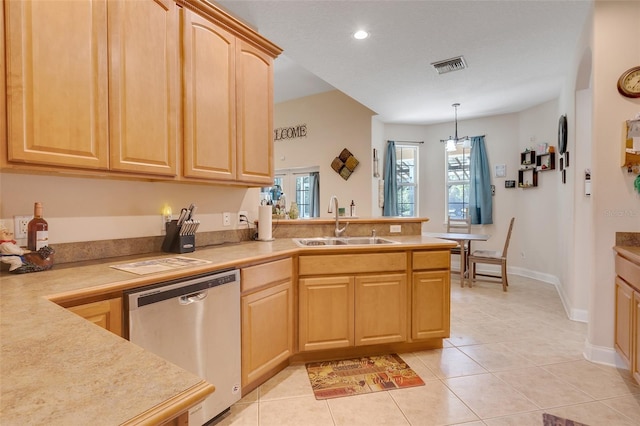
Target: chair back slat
{"points": [[462, 226], [506, 243]]}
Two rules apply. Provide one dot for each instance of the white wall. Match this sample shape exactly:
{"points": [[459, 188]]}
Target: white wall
{"points": [[334, 122], [537, 207], [534, 209], [616, 48], [86, 209], [575, 235], [378, 143]]}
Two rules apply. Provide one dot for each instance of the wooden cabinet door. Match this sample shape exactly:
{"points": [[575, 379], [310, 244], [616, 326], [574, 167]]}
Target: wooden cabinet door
{"points": [[326, 313], [57, 100], [105, 313], [267, 330], [209, 100], [624, 321], [635, 368], [254, 91], [143, 86], [430, 309], [380, 309]]}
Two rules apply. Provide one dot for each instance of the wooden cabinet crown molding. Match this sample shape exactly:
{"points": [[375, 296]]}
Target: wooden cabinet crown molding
{"points": [[237, 27]]}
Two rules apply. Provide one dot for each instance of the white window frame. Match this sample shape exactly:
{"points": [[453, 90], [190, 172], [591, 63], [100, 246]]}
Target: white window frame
{"points": [[459, 212], [288, 178], [416, 179]]}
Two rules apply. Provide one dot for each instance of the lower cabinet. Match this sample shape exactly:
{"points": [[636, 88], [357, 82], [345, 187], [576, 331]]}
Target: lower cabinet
{"points": [[104, 313], [326, 313], [430, 309], [627, 320], [635, 369], [430, 294], [267, 320], [624, 320], [380, 309], [344, 311]]}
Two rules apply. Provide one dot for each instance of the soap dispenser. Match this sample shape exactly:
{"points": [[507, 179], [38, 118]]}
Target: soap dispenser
{"points": [[352, 211]]}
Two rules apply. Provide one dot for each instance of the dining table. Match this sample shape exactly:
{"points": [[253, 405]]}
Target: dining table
{"points": [[461, 238]]}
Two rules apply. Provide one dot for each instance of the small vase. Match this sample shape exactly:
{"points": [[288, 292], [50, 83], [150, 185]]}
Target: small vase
{"points": [[293, 210]]}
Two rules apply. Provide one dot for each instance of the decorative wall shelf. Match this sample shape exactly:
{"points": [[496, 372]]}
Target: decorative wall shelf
{"points": [[527, 174], [545, 162]]}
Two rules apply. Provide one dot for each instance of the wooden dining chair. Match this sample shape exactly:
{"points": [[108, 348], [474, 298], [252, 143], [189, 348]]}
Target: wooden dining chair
{"points": [[493, 258], [460, 226]]}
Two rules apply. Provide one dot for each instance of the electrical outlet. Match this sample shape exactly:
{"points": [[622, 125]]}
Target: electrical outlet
{"points": [[395, 228], [226, 219], [244, 219], [20, 226]]}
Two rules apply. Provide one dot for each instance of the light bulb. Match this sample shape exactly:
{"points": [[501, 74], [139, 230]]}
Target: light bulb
{"points": [[167, 213]]}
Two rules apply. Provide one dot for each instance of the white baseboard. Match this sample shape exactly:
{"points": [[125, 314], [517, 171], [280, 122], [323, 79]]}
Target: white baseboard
{"points": [[580, 315], [603, 355]]}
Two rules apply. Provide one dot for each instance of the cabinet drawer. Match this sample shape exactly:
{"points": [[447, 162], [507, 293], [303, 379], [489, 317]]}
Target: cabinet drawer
{"points": [[431, 260], [628, 271], [260, 275], [352, 263]]}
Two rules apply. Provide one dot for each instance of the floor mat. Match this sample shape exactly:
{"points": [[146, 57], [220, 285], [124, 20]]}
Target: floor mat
{"points": [[551, 420], [333, 379]]}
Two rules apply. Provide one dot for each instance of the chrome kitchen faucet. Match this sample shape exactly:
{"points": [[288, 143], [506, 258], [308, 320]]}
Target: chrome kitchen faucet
{"points": [[333, 203]]}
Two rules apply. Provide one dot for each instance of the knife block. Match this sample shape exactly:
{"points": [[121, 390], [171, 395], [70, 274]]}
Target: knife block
{"points": [[176, 243]]}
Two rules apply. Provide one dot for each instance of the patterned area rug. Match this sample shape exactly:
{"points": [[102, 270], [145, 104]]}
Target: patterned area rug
{"points": [[333, 379]]}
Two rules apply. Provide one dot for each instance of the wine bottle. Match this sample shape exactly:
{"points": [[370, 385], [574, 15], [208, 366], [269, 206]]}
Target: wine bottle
{"points": [[37, 230]]}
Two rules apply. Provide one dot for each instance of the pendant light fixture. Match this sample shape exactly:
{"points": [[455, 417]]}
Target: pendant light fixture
{"points": [[452, 142]]}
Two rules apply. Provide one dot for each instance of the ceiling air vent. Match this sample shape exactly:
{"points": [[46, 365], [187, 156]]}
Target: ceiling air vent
{"points": [[448, 65]]}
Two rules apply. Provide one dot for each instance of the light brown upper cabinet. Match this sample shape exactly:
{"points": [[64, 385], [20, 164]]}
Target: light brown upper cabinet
{"points": [[228, 110], [93, 84], [96, 85], [57, 98], [255, 114], [143, 86], [209, 99]]}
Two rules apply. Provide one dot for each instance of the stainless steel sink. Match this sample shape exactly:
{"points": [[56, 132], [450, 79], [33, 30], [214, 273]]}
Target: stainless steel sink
{"points": [[340, 241]]}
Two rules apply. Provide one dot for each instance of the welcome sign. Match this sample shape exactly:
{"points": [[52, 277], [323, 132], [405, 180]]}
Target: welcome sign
{"points": [[282, 133]]}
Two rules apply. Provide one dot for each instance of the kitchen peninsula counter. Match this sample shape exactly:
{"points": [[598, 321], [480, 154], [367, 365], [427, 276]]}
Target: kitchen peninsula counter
{"points": [[630, 252], [58, 368]]}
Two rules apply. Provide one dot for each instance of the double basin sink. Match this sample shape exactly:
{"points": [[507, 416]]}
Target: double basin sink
{"points": [[341, 241]]}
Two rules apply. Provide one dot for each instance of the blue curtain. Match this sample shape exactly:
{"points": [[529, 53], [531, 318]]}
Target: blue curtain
{"points": [[314, 186], [390, 182], [480, 199]]}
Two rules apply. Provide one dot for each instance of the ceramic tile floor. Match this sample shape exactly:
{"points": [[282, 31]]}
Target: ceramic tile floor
{"points": [[511, 357]]}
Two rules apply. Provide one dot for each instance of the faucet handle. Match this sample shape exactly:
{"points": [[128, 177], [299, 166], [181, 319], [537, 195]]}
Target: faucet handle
{"points": [[373, 233]]}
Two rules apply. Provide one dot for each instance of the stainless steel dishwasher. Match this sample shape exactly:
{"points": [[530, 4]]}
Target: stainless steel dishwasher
{"points": [[195, 324]]}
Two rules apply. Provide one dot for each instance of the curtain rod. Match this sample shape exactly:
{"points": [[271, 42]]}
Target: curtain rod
{"points": [[407, 141]]}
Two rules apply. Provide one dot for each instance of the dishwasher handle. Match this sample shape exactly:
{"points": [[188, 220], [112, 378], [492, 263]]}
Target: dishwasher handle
{"points": [[188, 299]]}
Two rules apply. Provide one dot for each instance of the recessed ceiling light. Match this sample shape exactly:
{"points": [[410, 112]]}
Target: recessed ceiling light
{"points": [[360, 35]]}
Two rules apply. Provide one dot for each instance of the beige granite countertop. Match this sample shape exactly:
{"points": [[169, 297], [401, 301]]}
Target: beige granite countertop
{"points": [[57, 368], [630, 252]]}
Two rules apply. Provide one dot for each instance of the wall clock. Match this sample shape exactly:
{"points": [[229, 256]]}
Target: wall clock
{"points": [[562, 134], [629, 83]]}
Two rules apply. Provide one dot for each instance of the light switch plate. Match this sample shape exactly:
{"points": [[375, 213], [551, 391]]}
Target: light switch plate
{"points": [[395, 228]]}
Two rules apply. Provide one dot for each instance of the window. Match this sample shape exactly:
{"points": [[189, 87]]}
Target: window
{"points": [[303, 194], [295, 185], [457, 203], [407, 178]]}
